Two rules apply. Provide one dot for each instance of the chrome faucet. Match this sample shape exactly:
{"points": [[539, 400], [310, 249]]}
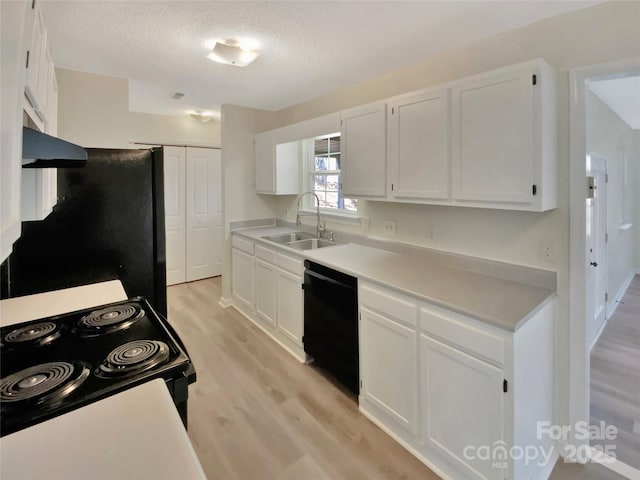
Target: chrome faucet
{"points": [[299, 214]]}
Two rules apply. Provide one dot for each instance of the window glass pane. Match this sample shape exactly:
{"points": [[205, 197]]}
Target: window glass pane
{"points": [[320, 182], [333, 182], [351, 204], [333, 162], [322, 196], [321, 163], [335, 144], [321, 146], [332, 199]]}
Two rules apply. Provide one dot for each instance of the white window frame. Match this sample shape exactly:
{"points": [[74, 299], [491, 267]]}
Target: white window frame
{"points": [[309, 174]]}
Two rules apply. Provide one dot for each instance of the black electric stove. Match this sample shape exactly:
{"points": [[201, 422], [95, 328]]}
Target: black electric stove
{"points": [[54, 365]]}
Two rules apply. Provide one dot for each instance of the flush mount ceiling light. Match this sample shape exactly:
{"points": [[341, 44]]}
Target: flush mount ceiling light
{"points": [[201, 116], [230, 52]]}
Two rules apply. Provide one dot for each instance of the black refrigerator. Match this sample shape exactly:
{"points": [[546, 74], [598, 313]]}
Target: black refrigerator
{"points": [[108, 224]]}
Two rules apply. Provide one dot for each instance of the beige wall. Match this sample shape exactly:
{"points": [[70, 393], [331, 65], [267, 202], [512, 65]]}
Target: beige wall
{"points": [[93, 111], [584, 37], [609, 137], [240, 202], [591, 36]]}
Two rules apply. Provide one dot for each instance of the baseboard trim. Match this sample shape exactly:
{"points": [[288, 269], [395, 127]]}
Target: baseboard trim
{"points": [[435, 469], [597, 335], [300, 356], [225, 302], [620, 294], [614, 464]]}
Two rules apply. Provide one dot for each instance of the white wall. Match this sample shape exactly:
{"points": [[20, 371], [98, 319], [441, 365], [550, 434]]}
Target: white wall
{"points": [[93, 111], [566, 42], [608, 136]]}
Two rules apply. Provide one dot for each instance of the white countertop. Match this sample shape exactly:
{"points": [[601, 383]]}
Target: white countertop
{"points": [[504, 303], [41, 305], [136, 434]]}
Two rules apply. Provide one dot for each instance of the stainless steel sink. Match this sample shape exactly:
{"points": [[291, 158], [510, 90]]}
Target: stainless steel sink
{"points": [[311, 243], [286, 238]]}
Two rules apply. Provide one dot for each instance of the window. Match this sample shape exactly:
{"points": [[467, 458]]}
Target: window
{"points": [[324, 173]]}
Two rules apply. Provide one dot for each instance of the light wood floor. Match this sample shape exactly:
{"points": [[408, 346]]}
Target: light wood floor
{"points": [[615, 376], [255, 413]]}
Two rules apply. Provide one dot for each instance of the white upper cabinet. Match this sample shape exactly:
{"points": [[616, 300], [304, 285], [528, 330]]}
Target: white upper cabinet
{"points": [[277, 165], [504, 142], [13, 44], [364, 151], [37, 64], [419, 140]]}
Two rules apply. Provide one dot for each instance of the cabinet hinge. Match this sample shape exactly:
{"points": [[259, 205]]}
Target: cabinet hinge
{"points": [[504, 386], [360, 383], [27, 65], [534, 189], [534, 79], [359, 316], [606, 296], [606, 178]]}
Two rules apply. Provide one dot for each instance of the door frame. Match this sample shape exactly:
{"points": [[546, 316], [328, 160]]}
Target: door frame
{"points": [[579, 353], [604, 259]]}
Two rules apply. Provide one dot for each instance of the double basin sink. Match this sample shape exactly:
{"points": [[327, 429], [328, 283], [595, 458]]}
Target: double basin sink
{"points": [[299, 241]]}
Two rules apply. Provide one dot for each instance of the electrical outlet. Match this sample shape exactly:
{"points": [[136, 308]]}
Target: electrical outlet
{"points": [[389, 228], [548, 251]]}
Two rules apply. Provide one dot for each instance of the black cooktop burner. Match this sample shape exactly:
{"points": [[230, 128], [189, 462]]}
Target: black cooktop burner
{"points": [[109, 320], [53, 365], [133, 357], [32, 335], [47, 382]]}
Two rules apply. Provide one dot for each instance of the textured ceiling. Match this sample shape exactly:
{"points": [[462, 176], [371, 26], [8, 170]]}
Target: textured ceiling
{"points": [[309, 48], [622, 95]]}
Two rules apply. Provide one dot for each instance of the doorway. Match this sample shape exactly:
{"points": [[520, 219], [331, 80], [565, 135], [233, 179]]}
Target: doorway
{"points": [[594, 291], [193, 213]]}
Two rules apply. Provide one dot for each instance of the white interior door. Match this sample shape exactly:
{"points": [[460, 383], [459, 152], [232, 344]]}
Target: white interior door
{"points": [[596, 243], [174, 210], [204, 213]]}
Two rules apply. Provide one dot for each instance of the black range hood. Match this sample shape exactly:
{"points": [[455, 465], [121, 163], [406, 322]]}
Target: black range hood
{"points": [[40, 150]]}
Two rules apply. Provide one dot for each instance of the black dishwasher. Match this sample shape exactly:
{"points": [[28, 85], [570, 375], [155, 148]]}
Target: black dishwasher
{"points": [[331, 322]]}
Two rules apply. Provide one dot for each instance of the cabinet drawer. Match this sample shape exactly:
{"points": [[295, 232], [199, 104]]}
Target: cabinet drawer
{"points": [[391, 304], [266, 254], [242, 244], [290, 264], [459, 332]]}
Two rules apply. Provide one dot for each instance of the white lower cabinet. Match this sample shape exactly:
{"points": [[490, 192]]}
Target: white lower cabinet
{"points": [[462, 406], [242, 274], [273, 297], [388, 374], [458, 393], [266, 292], [290, 320]]}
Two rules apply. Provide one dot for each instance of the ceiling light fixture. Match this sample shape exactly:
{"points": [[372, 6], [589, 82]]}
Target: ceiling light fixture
{"points": [[201, 116], [230, 52]]}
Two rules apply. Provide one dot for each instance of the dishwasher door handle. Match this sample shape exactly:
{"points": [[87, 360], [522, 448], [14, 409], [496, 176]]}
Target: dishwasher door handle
{"points": [[324, 278]]}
